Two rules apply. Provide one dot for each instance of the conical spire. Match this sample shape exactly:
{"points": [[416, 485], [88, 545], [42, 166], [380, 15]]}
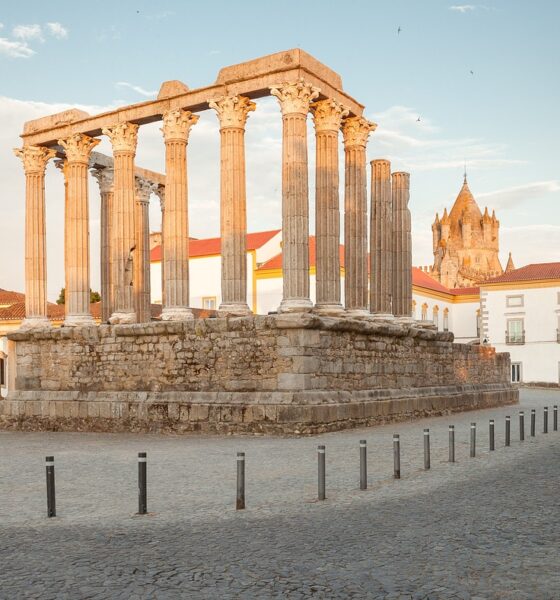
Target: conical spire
{"points": [[510, 266], [445, 217], [486, 217]]}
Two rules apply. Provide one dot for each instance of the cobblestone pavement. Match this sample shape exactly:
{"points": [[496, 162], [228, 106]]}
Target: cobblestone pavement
{"points": [[486, 527]]}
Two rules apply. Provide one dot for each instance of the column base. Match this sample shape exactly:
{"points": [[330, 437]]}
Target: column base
{"points": [[176, 313], [295, 305], [383, 316], [35, 323], [334, 310], [78, 321], [357, 313], [426, 325], [406, 320], [124, 318], [234, 310]]}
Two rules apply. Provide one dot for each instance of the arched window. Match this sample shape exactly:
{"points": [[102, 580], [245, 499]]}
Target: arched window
{"points": [[435, 316], [414, 309], [424, 312], [446, 319]]}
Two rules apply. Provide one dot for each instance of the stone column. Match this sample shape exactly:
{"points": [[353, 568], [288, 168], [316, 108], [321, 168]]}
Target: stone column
{"points": [[159, 191], [355, 131], [176, 127], [233, 112], [105, 179], [294, 99], [402, 247], [327, 117], [380, 241], [35, 160], [124, 138], [142, 292]]}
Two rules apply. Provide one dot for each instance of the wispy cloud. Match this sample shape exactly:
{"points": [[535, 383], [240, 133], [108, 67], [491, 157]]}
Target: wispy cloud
{"points": [[512, 197], [463, 8], [57, 30], [136, 88], [15, 49], [28, 32]]}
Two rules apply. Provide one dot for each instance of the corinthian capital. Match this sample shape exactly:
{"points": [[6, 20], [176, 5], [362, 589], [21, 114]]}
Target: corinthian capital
{"points": [[34, 158], [159, 191], [144, 190], [177, 124], [78, 147], [123, 136], [105, 178], [232, 110], [328, 115], [356, 130], [295, 97]]}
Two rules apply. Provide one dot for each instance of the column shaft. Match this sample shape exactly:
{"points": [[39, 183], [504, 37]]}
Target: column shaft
{"points": [[232, 112], [176, 127], [402, 251], [34, 161], [123, 137], [142, 292], [380, 243]]}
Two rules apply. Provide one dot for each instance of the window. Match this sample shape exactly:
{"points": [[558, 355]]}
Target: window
{"points": [[435, 316], [424, 312], [446, 319], [2, 371], [513, 301], [515, 372], [515, 333], [209, 302]]}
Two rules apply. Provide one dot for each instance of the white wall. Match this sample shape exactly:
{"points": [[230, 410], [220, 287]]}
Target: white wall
{"points": [[540, 355]]}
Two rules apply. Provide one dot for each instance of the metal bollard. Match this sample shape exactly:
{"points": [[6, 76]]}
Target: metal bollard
{"points": [[51, 497], [240, 499], [545, 420], [452, 443], [473, 440], [363, 464], [555, 418], [321, 478], [521, 425], [491, 435], [508, 431], [396, 456], [142, 484], [426, 449], [533, 421]]}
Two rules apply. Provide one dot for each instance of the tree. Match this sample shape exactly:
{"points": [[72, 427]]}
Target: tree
{"points": [[93, 296]]}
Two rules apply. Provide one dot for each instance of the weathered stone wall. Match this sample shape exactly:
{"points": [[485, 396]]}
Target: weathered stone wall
{"points": [[280, 373]]}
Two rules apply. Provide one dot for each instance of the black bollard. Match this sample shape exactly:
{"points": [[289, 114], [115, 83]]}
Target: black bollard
{"points": [[51, 496], [142, 484], [240, 499], [396, 456], [363, 464], [545, 420], [426, 449], [521, 425], [555, 418], [491, 435], [321, 472], [508, 430], [473, 440], [533, 421], [452, 443]]}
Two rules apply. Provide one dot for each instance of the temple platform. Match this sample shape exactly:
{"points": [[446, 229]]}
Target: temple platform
{"points": [[279, 374]]}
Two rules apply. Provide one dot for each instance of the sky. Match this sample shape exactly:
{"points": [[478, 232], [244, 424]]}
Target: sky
{"points": [[482, 78]]}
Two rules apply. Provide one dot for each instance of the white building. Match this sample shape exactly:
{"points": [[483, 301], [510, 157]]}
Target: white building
{"points": [[521, 315]]}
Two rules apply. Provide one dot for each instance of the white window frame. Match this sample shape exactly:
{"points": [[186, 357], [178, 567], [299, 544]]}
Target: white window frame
{"points": [[519, 366], [211, 299], [511, 301]]}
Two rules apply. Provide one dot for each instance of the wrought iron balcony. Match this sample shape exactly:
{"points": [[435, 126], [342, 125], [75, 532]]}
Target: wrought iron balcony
{"points": [[515, 338]]}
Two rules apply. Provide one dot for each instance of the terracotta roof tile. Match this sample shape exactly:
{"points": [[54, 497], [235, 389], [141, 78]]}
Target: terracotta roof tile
{"points": [[531, 272], [210, 246], [9, 297]]}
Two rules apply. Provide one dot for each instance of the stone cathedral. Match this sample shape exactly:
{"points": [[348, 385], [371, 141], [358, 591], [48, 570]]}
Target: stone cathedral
{"points": [[465, 243]]}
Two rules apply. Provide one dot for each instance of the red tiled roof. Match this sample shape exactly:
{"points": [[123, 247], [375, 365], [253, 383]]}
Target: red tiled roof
{"points": [[466, 291], [212, 246], [276, 261], [422, 279], [529, 273], [9, 297]]}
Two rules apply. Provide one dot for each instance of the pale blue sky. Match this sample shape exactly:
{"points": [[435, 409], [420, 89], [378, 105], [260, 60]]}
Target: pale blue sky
{"points": [[502, 119]]}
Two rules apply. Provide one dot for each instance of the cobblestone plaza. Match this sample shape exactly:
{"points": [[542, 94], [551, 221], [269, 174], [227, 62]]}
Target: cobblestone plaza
{"points": [[480, 528]]}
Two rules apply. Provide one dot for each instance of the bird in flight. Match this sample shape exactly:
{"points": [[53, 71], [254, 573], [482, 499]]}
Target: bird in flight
{"points": [[399, 30], [472, 72], [418, 120]]}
